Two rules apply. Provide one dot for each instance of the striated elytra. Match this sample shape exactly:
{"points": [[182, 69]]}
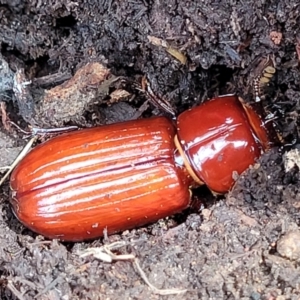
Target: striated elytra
{"points": [[125, 175]]}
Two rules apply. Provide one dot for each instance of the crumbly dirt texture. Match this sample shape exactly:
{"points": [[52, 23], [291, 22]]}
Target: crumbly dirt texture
{"points": [[244, 245]]}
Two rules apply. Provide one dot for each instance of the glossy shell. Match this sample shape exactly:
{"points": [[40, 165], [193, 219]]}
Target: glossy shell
{"points": [[114, 177], [220, 137]]}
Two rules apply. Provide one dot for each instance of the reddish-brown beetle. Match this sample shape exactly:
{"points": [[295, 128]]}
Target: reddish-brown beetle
{"points": [[124, 175]]}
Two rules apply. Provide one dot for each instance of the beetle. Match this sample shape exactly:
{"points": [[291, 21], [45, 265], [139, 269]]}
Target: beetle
{"points": [[115, 177]]}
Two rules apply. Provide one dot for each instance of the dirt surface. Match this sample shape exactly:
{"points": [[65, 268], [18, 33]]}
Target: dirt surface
{"points": [[244, 245]]}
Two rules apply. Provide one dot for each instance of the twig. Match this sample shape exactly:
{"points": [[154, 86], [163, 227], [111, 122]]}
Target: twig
{"points": [[18, 159]]}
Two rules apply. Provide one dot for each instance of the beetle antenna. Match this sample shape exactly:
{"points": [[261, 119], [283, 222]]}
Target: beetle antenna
{"points": [[263, 73]]}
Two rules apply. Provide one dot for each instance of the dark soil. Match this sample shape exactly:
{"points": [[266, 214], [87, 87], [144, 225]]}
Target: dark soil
{"points": [[241, 246]]}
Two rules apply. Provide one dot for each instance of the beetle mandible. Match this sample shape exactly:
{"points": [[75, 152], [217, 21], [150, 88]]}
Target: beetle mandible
{"points": [[120, 176]]}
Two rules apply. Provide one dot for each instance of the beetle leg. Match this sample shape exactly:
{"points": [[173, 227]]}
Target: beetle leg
{"points": [[257, 92]]}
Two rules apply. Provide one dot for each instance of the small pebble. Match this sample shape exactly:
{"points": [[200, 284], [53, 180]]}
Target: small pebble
{"points": [[291, 159], [289, 245]]}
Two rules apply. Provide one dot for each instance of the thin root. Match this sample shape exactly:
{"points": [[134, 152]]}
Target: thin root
{"points": [[105, 254]]}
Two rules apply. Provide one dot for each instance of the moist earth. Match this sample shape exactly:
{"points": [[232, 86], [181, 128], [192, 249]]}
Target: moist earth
{"points": [[243, 245]]}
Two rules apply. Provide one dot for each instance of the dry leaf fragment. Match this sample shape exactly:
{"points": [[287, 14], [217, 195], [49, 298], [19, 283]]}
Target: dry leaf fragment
{"points": [[119, 95], [174, 52]]}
